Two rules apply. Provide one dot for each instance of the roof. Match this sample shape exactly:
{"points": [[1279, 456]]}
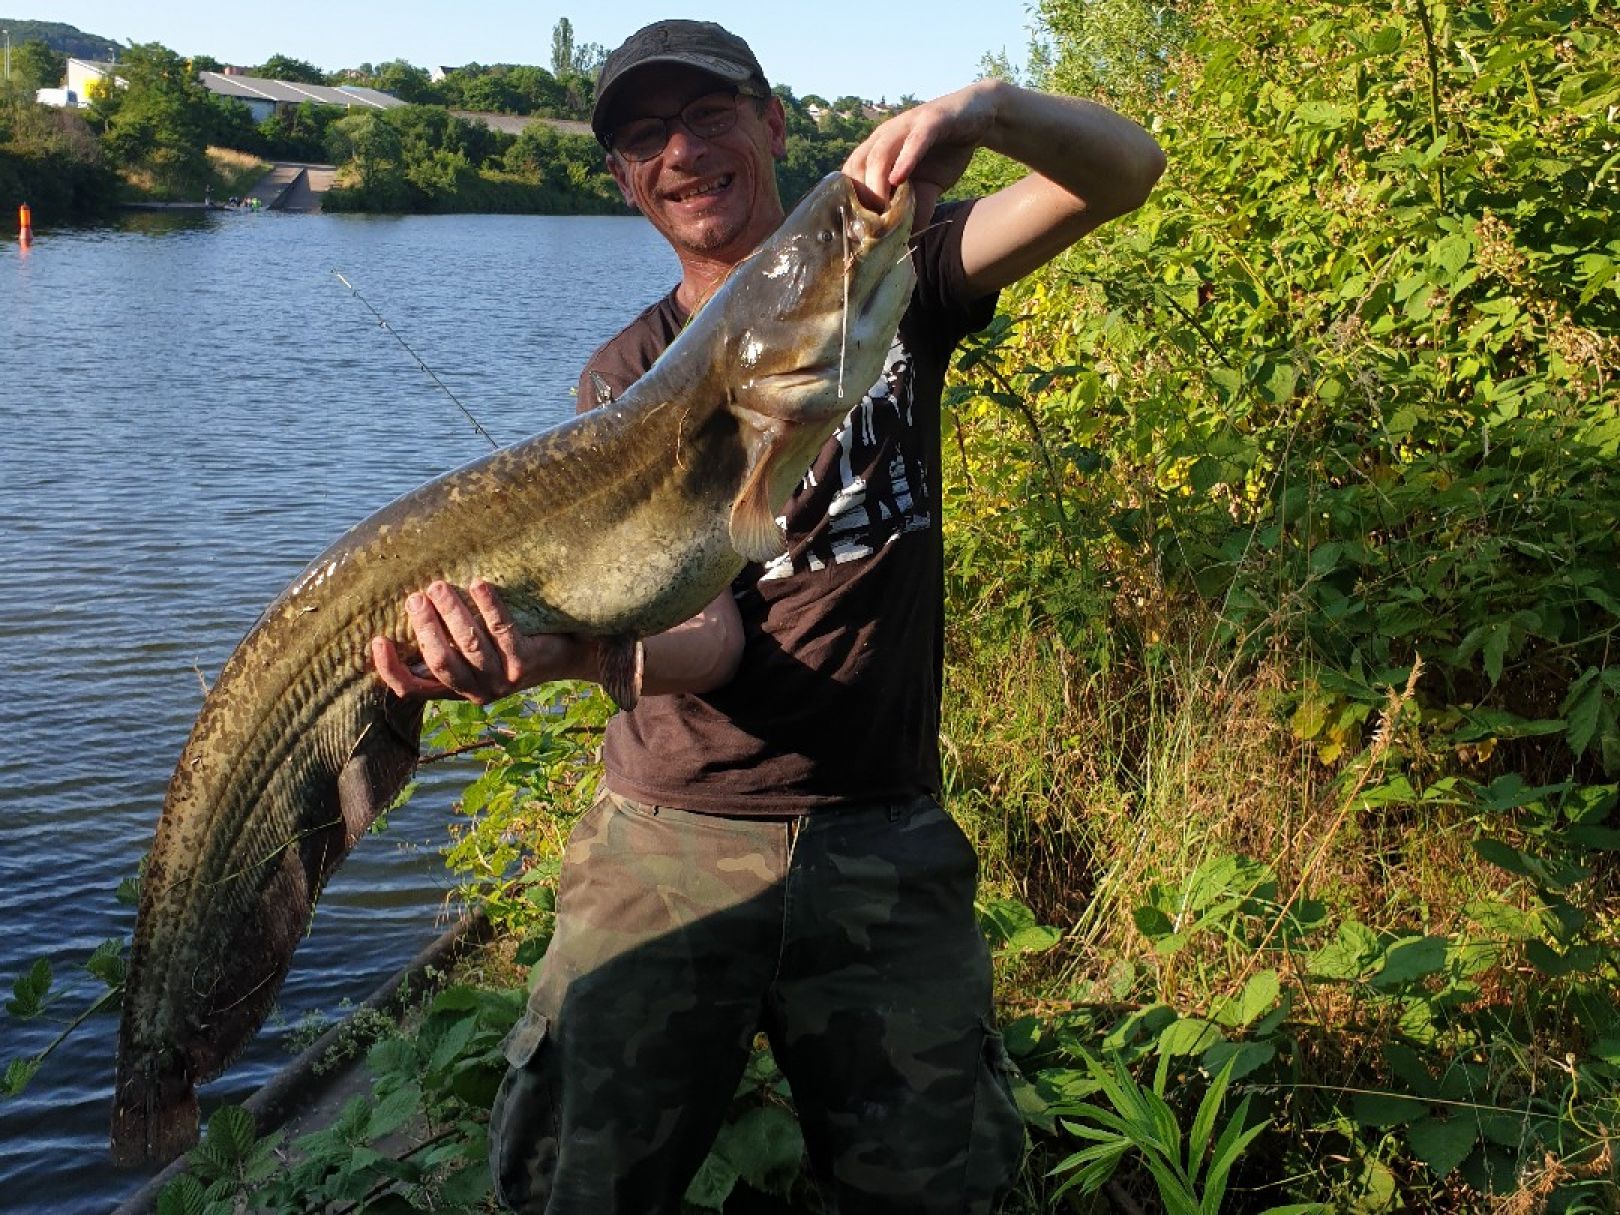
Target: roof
{"points": [[290, 92]]}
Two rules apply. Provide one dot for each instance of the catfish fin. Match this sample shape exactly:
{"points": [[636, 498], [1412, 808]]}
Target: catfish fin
{"points": [[380, 762], [619, 666], [755, 534]]}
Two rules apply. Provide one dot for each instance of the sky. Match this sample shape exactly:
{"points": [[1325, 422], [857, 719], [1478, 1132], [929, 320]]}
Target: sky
{"points": [[865, 48]]}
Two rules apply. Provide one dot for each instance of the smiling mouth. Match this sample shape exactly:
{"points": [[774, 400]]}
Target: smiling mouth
{"points": [[702, 190]]}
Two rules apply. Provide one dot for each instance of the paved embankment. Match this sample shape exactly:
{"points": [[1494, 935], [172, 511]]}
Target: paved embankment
{"points": [[291, 186], [309, 1091]]}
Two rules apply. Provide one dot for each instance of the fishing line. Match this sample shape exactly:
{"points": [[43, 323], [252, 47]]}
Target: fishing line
{"points": [[843, 334], [383, 323]]}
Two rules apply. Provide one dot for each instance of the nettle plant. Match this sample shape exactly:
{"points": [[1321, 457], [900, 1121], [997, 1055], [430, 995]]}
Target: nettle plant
{"points": [[1346, 387]]}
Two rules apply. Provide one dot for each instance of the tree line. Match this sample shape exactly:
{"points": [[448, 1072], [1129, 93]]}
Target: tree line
{"points": [[150, 134]]}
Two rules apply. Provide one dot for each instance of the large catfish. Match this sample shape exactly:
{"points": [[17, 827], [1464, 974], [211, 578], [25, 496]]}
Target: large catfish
{"points": [[620, 523]]}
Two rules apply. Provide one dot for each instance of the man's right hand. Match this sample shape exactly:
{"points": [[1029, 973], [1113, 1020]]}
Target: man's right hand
{"points": [[472, 649]]}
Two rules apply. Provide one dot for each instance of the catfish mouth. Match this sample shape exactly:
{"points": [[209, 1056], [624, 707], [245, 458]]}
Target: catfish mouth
{"points": [[866, 227]]}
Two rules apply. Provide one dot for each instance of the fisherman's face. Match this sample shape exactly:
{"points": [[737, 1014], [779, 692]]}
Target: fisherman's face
{"points": [[713, 198]]}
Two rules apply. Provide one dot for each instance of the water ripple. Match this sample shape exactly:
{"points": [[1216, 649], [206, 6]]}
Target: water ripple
{"points": [[194, 408]]}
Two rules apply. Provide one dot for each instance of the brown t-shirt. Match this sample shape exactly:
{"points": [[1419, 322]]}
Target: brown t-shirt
{"points": [[837, 696]]}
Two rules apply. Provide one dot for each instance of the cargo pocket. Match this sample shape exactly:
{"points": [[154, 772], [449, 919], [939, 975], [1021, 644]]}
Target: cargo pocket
{"points": [[997, 1145], [523, 1121]]}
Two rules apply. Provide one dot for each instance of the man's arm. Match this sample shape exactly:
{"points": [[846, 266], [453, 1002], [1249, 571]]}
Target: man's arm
{"points": [[472, 648], [1089, 166]]}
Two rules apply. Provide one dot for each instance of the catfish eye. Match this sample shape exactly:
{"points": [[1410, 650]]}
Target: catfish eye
{"points": [[824, 236]]}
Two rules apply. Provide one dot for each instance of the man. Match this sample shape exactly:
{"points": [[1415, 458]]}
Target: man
{"points": [[769, 853]]}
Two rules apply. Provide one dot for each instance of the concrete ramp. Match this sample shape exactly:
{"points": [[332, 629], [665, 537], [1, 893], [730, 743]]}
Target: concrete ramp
{"points": [[293, 186]]}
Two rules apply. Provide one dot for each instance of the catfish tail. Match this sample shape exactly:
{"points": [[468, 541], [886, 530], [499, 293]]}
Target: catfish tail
{"points": [[229, 893]]}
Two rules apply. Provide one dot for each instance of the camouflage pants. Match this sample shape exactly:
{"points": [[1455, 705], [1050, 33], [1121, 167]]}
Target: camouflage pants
{"points": [[847, 936]]}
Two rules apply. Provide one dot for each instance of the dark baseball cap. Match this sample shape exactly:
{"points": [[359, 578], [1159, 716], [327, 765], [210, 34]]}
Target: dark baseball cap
{"points": [[700, 44]]}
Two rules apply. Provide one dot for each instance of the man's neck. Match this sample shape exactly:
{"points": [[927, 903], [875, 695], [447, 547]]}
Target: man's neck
{"points": [[700, 278]]}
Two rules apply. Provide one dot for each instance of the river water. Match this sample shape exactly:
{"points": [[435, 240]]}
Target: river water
{"points": [[193, 407]]}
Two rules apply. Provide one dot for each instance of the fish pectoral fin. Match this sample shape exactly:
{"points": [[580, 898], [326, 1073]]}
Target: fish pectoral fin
{"points": [[619, 663], [380, 762], [755, 533]]}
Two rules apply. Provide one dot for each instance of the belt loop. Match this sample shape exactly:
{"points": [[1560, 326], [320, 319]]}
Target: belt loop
{"points": [[896, 809]]}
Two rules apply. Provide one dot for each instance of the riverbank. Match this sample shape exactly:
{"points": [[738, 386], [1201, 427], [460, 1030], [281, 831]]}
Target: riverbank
{"points": [[310, 1093]]}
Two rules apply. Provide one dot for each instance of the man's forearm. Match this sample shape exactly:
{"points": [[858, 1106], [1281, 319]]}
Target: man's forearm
{"points": [[1087, 165], [697, 656]]}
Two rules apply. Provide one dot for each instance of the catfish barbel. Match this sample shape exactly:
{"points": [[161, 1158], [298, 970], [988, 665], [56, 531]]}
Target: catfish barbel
{"points": [[618, 524]]}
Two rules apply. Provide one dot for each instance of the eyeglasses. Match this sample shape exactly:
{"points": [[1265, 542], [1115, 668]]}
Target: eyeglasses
{"points": [[708, 117]]}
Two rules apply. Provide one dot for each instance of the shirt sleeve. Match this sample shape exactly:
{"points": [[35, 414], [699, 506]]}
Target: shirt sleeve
{"points": [[942, 290]]}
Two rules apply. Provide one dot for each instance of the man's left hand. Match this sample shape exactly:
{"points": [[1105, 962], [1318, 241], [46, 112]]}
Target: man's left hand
{"points": [[928, 145]]}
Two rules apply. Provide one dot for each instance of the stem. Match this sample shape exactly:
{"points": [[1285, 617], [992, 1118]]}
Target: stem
{"points": [[101, 1002], [1039, 439], [1437, 180]]}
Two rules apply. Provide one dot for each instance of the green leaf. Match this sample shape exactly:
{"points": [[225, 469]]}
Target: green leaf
{"points": [[1258, 995], [231, 1131], [1152, 923], [1582, 709], [1189, 1036], [765, 1146], [1550, 962], [1241, 1057], [1323, 114], [1442, 1144], [18, 1073], [1384, 1109], [533, 948], [1504, 921], [466, 1187], [1203, 1124], [1204, 475], [393, 1111], [1409, 960], [1494, 651], [107, 963], [452, 1043], [182, 1196], [1036, 938], [1009, 926], [1350, 957], [1451, 253], [29, 992]]}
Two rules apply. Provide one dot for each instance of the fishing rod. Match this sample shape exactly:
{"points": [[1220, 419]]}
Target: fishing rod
{"points": [[382, 322]]}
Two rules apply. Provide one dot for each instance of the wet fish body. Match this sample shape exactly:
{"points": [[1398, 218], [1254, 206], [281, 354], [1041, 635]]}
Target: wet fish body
{"points": [[620, 523]]}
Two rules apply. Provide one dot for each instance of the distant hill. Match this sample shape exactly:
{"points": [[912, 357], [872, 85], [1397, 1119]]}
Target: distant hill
{"points": [[65, 39]]}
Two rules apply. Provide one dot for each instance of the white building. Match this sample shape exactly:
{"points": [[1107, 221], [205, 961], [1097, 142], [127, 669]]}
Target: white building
{"points": [[84, 74]]}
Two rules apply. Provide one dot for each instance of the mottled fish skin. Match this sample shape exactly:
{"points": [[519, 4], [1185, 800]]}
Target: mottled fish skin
{"points": [[620, 523]]}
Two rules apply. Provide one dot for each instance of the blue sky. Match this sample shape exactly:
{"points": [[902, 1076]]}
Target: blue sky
{"points": [[868, 48]]}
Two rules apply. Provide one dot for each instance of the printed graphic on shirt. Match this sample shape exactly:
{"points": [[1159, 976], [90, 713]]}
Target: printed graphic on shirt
{"points": [[878, 483]]}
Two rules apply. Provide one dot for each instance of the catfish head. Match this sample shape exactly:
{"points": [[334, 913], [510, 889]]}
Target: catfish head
{"points": [[809, 319]]}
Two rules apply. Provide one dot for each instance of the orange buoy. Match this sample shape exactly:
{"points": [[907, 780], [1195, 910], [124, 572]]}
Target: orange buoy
{"points": [[25, 224]]}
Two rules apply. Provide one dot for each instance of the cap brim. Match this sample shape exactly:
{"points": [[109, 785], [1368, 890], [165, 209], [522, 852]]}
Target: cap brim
{"points": [[731, 73]]}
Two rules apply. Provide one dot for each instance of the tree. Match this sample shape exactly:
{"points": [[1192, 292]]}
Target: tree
{"points": [[160, 122], [562, 47], [406, 81], [35, 66], [536, 90], [589, 58], [284, 67], [492, 94]]}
